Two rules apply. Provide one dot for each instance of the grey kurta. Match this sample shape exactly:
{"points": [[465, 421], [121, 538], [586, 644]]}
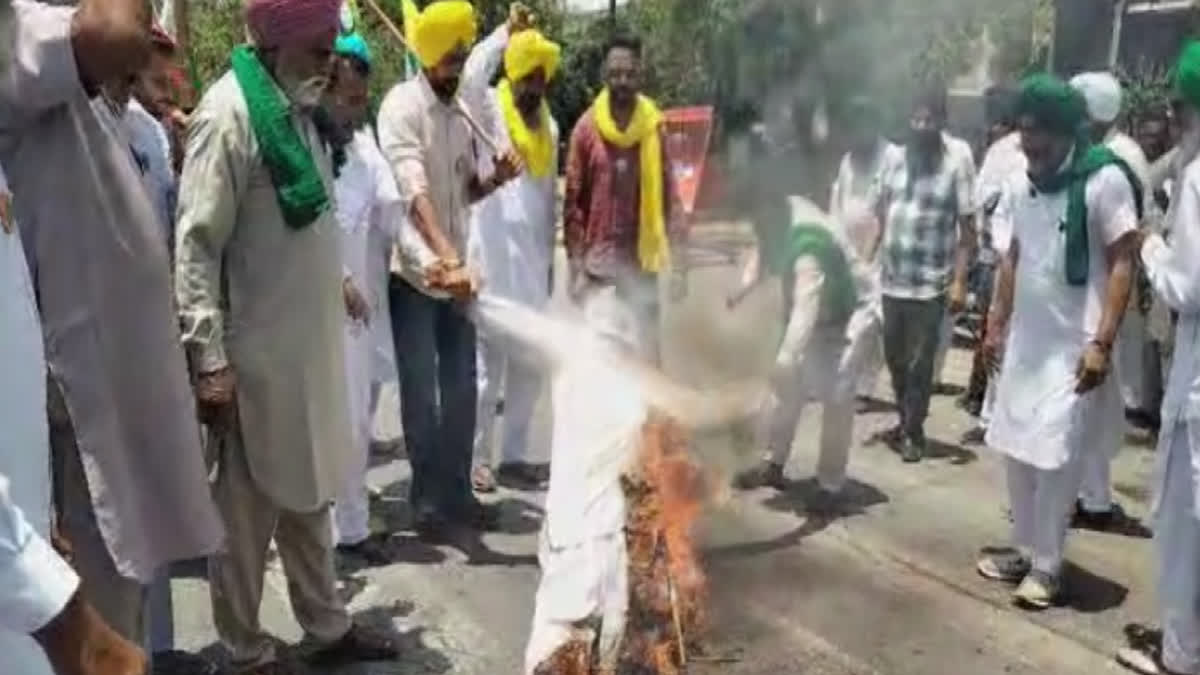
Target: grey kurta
{"points": [[265, 299], [94, 245]]}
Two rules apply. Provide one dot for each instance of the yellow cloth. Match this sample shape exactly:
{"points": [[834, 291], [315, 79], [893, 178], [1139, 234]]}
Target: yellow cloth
{"points": [[643, 129], [535, 147], [529, 50], [437, 31]]}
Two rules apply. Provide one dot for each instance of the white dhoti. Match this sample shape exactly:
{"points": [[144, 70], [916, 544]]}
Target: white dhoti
{"points": [[352, 511], [583, 594], [1177, 539], [627, 308], [522, 385], [827, 373]]}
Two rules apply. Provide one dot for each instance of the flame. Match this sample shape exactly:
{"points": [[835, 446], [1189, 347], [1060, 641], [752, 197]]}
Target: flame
{"points": [[668, 590]]}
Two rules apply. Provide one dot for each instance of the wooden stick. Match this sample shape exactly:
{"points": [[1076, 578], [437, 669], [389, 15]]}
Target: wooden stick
{"points": [[458, 104], [673, 594]]}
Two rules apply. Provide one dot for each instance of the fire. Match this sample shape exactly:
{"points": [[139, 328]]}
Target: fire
{"points": [[668, 590]]}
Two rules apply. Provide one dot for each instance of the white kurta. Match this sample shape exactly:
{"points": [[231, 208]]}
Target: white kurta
{"points": [[368, 210], [1175, 276], [1039, 420], [24, 462], [266, 299]]}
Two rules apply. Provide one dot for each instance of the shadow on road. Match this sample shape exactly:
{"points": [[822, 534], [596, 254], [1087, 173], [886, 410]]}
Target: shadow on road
{"points": [[1090, 593]]}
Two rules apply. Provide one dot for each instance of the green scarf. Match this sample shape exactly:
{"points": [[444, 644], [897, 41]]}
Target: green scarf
{"points": [[299, 188], [807, 239], [1074, 180]]}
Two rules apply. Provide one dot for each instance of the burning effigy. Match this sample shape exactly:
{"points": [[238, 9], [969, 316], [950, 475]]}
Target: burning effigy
{"points": [[622, 588]]}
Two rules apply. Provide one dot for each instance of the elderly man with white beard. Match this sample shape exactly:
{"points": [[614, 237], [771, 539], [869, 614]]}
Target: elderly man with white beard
{"points": [[262, 298], [1171, 267]]}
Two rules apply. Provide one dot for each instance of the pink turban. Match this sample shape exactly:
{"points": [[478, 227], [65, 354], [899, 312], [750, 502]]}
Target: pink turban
{"points": [[279, 22]]}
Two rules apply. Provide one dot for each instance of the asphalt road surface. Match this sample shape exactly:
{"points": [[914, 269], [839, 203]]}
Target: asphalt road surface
{"points": [[889, 588]]}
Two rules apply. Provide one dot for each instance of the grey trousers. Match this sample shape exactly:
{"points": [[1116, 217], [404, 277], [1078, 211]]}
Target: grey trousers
{"points": [[911, 332], [120, 600], [305, 545]]}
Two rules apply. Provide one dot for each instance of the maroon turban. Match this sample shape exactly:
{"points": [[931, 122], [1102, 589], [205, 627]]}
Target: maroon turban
{"points": [[279, 22]]}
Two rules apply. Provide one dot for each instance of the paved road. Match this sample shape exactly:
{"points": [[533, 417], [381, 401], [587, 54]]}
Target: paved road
{"points": [[888, 589]]}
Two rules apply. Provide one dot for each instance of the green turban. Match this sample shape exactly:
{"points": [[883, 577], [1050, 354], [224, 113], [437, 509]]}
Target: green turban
{"points": [[1053, 104], [1187, 73]]}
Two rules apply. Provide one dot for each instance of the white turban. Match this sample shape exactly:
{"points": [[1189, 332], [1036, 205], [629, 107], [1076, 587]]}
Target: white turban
{"points": [[1102, 92]]}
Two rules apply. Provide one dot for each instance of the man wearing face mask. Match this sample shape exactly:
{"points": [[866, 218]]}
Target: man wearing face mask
{"points": [[513, 241], [1061, 292], [434, 155], [262, 298], [922, 196]]}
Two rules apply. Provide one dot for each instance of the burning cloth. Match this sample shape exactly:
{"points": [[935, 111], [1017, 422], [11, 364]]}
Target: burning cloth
{"points": [[618, 485]]}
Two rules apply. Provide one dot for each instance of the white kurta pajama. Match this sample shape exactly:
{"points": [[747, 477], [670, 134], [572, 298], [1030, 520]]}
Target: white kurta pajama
{"points": [[265, 299], [123, 425], [1175, 277], [24, 469], [1129, 351], [368, 211], [1039, 422], [848, 205]]}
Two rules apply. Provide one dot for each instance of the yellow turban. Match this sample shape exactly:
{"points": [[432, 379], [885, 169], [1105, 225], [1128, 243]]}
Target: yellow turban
{"points": [[529, 50], [439, 30]]}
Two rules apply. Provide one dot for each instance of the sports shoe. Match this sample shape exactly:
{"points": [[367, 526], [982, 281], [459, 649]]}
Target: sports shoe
{"points": [[913, 451], [1007, 565], [1038, 591]]}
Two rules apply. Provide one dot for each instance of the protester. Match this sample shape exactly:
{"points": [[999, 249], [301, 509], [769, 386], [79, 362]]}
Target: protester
{"points": [[830, 295], [512, 241], [262, 300], [619, 211], [1061, 292], [1095, 508], [432, 149], [118, 397], [369, 211], [922, 196], [848, 205], [1002, 160], [1172, 270]]}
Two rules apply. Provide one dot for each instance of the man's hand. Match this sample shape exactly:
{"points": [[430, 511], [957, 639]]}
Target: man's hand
{"points": [[111, 39], [992, 349], [451, 276], [215, 396], [508, 166], [1093, 368], [957, 300], [520, 17], [6, 221], [79, 642], [356, 305]]}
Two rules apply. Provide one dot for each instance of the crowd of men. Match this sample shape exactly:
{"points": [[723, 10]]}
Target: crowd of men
{"points": [[199, 309]]}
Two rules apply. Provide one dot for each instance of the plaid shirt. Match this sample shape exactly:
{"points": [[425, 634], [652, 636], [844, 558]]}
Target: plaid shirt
{"points": [[920, 212]]}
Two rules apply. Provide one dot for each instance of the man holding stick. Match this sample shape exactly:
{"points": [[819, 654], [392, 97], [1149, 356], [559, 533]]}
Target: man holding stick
{"points": [[428, 138]]}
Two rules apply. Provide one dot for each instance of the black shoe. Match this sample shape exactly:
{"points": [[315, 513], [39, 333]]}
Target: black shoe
{"points": [[430, 525], [521, 475], [913, 451], [182, 663], [476, 515], [1098, 521], [1004, 564], [975, 436], [767, 474], [358, 645], [373, 551]]}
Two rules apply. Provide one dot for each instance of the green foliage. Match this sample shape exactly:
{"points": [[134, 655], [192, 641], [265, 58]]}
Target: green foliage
{"points": [[727, 53]]}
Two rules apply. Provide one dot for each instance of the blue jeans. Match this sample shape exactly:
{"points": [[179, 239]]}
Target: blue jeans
{"points": [[435, 359]]}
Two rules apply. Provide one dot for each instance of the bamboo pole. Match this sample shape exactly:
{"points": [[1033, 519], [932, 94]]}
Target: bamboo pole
{"points": [[458, 104]]}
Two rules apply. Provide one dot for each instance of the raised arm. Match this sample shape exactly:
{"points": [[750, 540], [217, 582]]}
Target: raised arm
{"points": [[63, 53]]}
